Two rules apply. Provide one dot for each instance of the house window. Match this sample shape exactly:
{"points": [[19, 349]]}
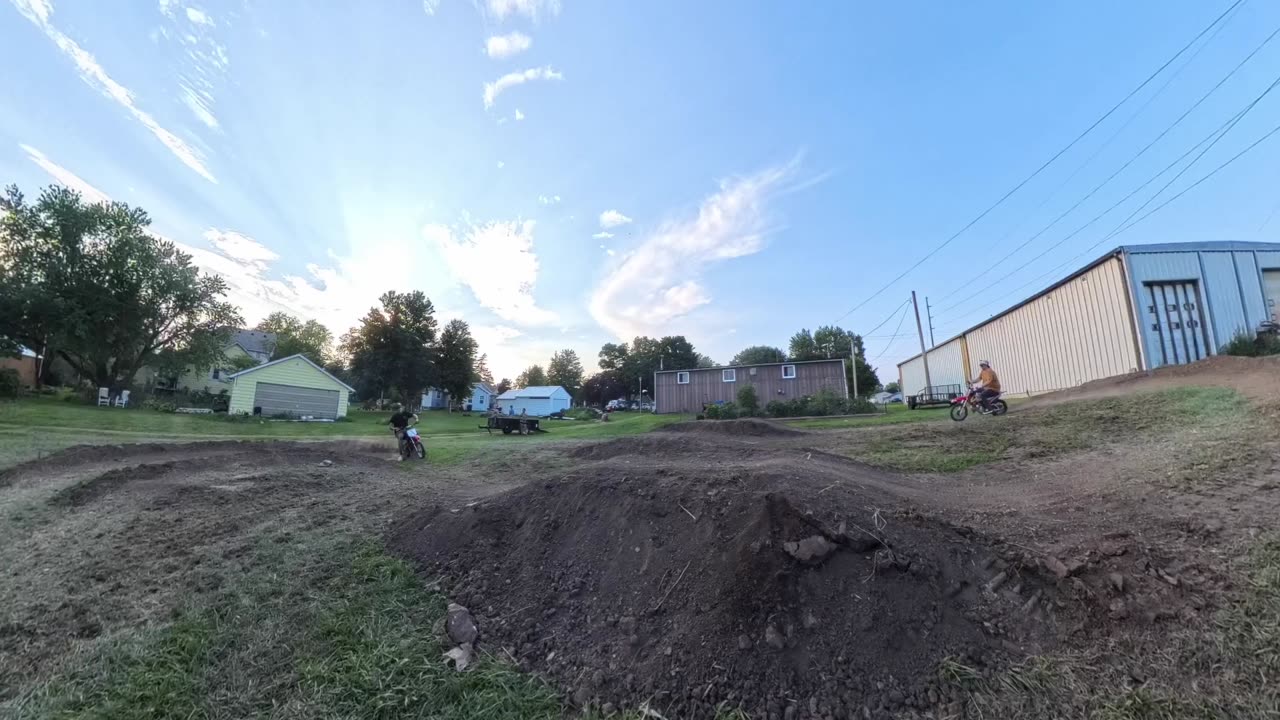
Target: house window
{"points": [[788, 372], [729, 375], [215, 374], [682, 378]]}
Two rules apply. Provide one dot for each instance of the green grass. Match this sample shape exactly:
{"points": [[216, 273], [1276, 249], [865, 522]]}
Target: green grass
{"points": [[894, 415], [320, 627]]}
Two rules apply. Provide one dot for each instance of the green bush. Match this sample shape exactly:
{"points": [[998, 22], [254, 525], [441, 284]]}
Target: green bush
{"points": [[10, 383], [1246, 344], [748, 401], [778, 409], [159, 405], [581, 414]]}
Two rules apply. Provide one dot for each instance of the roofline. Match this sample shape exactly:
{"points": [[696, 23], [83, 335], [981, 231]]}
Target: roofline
{"points": [[306, 359], [1115, 253], [1203, 246], [734, 367]]}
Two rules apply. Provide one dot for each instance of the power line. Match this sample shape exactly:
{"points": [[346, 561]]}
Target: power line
{"points": [[890, 316], [1212, 139], [889, 344], [1111, 139], [1135, 157], [1046, 164]]}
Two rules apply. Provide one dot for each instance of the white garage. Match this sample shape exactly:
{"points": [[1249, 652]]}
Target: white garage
{"points": [[539, 401]]}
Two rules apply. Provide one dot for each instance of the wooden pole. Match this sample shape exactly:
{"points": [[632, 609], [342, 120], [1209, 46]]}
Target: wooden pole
{"points": [[924, 353], [853, 358]]}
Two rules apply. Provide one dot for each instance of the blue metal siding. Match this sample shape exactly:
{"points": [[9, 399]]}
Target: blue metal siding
{"points": [[1250, 274], [1221, 288]]}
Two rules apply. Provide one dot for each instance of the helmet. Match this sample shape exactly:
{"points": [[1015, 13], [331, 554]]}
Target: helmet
{"points": [[984, 363]]}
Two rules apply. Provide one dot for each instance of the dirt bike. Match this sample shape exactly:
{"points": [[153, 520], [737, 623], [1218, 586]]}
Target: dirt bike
{"points": [[960, 405], [411, 444]]}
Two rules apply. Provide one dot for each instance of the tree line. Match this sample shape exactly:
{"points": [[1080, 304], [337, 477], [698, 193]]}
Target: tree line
{"points": [[828, 342]]}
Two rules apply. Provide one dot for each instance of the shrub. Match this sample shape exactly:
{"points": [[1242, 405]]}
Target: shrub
{"points": [[748, 401], [581, 414], [1246, 344], [10, 383], [729, 411], [159, 405], [712, 412], [778, 409], [826, 402]]}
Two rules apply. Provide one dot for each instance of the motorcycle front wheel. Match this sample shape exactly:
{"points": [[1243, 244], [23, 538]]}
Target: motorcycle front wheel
{"points": [[422, 451], [959, 412], [999, 407]]}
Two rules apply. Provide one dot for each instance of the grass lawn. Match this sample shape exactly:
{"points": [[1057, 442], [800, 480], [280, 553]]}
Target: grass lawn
{"points": [[34, 427], [893, 415]]}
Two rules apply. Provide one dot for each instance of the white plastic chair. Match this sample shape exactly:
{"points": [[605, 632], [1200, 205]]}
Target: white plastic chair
{"points": [[104, 397], [122, 400]]}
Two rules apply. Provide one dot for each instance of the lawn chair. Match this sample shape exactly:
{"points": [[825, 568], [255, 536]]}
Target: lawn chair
{"points": [[122, 400], [104, 397]]}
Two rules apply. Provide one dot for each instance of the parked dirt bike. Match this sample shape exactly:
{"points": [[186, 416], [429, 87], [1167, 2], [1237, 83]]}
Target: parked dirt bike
{"points": [[411, 445], [960, 406]]}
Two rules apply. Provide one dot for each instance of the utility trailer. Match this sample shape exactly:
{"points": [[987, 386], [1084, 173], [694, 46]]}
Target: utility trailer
{"points": [[519, 424]]}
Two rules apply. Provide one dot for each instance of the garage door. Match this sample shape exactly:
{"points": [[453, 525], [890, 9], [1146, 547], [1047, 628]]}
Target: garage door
{"points": [[294, 401]]}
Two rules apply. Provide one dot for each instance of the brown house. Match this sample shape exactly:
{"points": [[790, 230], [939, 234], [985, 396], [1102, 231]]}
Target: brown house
{"points": [[689, 391], [25, 364]]}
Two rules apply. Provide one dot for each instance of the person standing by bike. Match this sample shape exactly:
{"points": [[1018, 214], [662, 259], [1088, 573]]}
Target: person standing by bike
{"points": [[987, 383], [400, 422]]}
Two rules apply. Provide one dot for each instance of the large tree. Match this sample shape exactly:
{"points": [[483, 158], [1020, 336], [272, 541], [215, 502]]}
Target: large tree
{"points": [[565, 370], [758, 355], [533, 376], [89, 282], [392, 350], [831, 342], [603, 387], [613, 356], [294, 337], [483, 373], [638, 361], [503, 385], [455, 360]]}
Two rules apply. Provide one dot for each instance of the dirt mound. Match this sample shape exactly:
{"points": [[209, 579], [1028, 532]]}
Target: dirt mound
{"points": [[752, 427], [88, 490], [695, 447], [734, 588]]}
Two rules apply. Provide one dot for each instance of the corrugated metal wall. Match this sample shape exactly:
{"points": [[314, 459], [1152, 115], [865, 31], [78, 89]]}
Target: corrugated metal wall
{"points": [[1078, 332], [946, 367]]}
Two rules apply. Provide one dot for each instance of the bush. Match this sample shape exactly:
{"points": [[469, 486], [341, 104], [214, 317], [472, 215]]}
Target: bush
{"points": [[778, 409], [10, 383], [712, 412], [1246, 344], [748, 401], [159, 405], [582, 414]]}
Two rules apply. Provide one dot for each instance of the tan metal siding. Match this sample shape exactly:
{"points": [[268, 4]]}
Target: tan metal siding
{"points": [[705, 386], [1073, 334], [946, 367]]}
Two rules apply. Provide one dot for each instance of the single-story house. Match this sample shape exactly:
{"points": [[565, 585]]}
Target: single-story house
{"points": [[540, 401], [26, 364], [689, 391], [481, 398], [292, 387], [434, 399], [253, 344]]}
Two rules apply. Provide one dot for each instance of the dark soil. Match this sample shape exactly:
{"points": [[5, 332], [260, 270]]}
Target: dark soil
{"points": [[675, 585], [751, 427]]}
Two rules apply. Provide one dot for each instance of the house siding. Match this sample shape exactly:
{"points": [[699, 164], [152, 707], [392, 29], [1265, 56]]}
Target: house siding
{"points": [[705, 386], [192, 380], [296, 372], [946, 367]]}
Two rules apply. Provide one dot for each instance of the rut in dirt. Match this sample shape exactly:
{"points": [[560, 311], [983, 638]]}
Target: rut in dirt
{"points": [[691, 585]]}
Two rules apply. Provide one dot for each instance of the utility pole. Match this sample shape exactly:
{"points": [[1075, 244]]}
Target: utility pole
{"points": [[853, 358], [924, 353], [928, 311]]}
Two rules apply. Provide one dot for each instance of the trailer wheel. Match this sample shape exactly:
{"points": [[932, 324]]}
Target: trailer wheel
{"points": [[506, 431]]}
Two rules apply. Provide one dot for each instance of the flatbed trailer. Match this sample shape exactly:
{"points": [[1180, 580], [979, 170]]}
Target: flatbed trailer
{"points": [[519, 424]]}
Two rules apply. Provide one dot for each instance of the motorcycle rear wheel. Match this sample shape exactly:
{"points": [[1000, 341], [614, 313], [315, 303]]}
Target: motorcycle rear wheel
{"points": [[959, 412], [999, 407]]}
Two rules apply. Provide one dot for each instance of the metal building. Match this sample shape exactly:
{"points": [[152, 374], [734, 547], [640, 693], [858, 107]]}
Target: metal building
{"points": [[1136, 308]]}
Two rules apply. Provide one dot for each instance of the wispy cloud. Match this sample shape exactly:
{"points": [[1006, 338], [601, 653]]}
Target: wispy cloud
{"points": [[504, 46], [199, 17], [506, 82], [198, 104], [519, 115], [603, 235], [532, 9], [496, 261], [548, 199], [658, 281], [612, 219], [65, 177], [93, 74], [430, 6]]}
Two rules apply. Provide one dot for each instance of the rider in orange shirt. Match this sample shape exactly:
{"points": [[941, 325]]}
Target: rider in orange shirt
{"points": [[987, 384]]}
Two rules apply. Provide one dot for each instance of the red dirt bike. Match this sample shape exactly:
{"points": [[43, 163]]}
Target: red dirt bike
{"points": [[960, 406], [411, 445]]}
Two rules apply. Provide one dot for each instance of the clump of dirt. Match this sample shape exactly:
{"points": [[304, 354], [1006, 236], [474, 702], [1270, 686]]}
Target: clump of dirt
{"points": [[735, 587], [92, 488], [752, 427]]}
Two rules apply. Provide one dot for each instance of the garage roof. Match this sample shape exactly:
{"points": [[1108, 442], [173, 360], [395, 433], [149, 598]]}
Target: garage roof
{"points": [[304, 358]]}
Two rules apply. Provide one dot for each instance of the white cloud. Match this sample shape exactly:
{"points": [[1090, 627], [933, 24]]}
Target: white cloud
{"points": [[496, 261], [658, 281], [65, 177], [430, 6], [166, 7], [504, 46], [199, 17], [497, 87], [93, 74], [603, 235], [531, 9], [612, 219], [199, 106], [519, 115], [610, 252], [501, 164], [548, 199], [241, 248]]}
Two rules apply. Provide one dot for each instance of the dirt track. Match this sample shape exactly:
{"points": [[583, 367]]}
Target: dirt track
{"points": [[655, 568]]}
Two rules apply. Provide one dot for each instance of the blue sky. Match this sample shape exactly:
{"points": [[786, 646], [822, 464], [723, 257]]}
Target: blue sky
{"points": [[564, 173]]}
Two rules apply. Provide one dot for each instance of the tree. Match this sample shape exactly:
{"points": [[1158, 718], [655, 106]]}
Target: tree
{"points": [[294, 337], [603, 387], [705, 362], [482, 373], [565, 370], [613, 356], [830, 342], [503, 385], [391, 350], [533, 376], [748, 401], [758, 355], [893, 387], [455, 360], [91, 283]]}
